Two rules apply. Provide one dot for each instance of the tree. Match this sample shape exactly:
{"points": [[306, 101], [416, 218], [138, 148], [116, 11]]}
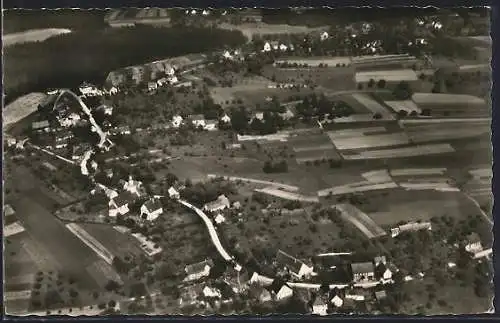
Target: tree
{"points": [[403, 91], [371, 83], [360, 86], [402, 113], [377, 116], [381, 84]]}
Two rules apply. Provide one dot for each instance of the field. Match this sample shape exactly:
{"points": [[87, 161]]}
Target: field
{"points": [[32, 36], [418, 150], [332, 78], [361, 220], [22, 107], [423, 133], [407, 75], [330, 61], [312, 147]]}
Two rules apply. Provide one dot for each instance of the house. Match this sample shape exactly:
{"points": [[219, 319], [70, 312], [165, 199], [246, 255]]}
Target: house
{"points": [[119, 204], [297, 268], [108, 110], [71, 120], [177, 121], [198, 270], [283, 47], [267, 47], [211, 292], [40, 125], [205, 12], [225, 118], [210, 125], [257, 115], [109, 173], [260, 280], [122, 130], [337, 301], [220, 204], [379, 260], [113, 90], [410, 227], [319, 307], [8, 210], [260, 293], [133, 186], [152, 86], [274, 45], [362, 271], [151, 209], [62, 138], [11, 142], [237, 205], [283, 293], [323, 36], [183, 84], [173, 193], [87, 89], [220, 219], [473, 243], [238, 280], [198, 120], [383, 270]]}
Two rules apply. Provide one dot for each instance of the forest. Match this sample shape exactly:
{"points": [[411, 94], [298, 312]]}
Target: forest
{"points": [[89, 55]]}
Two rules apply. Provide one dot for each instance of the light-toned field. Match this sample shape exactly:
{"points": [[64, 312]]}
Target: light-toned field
{"points": [[34, 35], [446, 99], [419, 150], [371, 141], [358, 187], [361, 220], [370, 103], [407, 75], [22, 107], [287, 195], [421, 133]]}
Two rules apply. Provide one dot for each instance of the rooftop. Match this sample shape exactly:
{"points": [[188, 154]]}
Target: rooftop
{"points": [[288, 261], [362, 267], [198, 267]]}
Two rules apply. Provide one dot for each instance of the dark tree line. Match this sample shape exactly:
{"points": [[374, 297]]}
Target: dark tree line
{"points": [[67, 60]]}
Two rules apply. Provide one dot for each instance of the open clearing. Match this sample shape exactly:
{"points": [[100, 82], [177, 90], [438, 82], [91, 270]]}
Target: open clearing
{"points": [[361, 220], [34, 35], [22, 107]]}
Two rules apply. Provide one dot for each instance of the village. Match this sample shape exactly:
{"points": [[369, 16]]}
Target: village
{"points": [[331, 174]]}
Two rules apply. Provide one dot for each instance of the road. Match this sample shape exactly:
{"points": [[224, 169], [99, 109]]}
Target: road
{"points": [[85, 109]]}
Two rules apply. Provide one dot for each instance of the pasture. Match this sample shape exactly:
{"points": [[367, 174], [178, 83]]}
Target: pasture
{"points": [[22, 107]]}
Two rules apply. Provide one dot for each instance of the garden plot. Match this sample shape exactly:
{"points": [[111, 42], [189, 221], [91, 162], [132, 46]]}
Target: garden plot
{"points": [[287, 195], [407, 106], [418, 150], [370, 103], [371, 141], [361, 220], [421, 133]]}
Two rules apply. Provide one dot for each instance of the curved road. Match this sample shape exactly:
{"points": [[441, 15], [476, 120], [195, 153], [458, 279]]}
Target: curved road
{"points": [[218, 245]]}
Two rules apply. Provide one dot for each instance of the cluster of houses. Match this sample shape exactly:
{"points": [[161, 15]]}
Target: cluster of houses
{"points": [[199, 121], [217, 207]]}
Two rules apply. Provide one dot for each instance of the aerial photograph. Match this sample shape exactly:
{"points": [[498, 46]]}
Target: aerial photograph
{"points": [[247, 161]]}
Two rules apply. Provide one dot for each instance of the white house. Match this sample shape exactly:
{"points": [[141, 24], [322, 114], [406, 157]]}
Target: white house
{"points": [[221, 203], [108, 110], [119, 204], [284, 292], [210, 125], [211, 292], [177, 121], [337, 301], [205, 12], [319, 307], [220, 219], [225, 118], [197, 120], [267, 47], [11, 141], [169, 70], [324, 36], [113, 90], [133, 186], [473, 243], [283, 47], [198, 270], [295, 266], [151, 209], [70, 120], [173, 193], [227, 55]]}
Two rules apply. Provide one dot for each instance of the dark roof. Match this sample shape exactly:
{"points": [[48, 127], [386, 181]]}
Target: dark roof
{"points": [[198, 267], [123, 198], [473, 238], [290, 262], [153, 204], [362, 267]]}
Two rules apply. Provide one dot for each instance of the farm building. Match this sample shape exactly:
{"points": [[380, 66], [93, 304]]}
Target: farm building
{"points": [[173, 193], [221, 203], [177, 121], [390, 76], [473, 243], [198, 270], [40, 125], [295, 266], [151, 209], [319, 307], [132, 186], [282, 292], [197, 120], [410, 227], [120, 204], [440, 104]]}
